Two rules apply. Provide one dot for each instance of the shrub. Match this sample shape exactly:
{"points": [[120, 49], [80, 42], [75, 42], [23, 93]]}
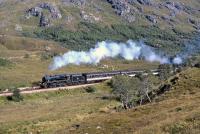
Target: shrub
{"points": [[4, 62], [90, 89], [26, 56], [17, 97], [165, 70], [47, 55], [89, 33], [126, 89]]}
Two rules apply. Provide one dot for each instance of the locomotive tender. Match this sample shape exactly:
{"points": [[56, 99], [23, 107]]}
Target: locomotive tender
{"points": [[51, 81]]}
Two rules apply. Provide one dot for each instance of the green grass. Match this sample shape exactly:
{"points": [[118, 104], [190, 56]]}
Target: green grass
{"points": [[88, 34], [4, 62], [176, 112], [48, 112], [27, 71], [58, 111]]}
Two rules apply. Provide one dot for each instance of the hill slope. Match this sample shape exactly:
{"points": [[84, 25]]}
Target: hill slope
{"points": [[183, 14], [32, 32], [76, 111], [177, 111]]}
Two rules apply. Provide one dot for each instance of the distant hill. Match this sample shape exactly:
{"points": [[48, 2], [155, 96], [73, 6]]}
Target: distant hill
{"points": [[41, 29], [182, 16]]}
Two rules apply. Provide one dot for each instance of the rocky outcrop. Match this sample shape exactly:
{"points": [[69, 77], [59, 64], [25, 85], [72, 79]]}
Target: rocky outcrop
{"points": [[194, 22], [151, 18], [37, 11], [145, 2], [166, 18], [121, 6], [174, 7], [142, 2], [89, 17], [129, 18], [123, 9], [44, 21], [55, 13], [74, 2]]}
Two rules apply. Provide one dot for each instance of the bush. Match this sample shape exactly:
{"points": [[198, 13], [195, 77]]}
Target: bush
{"points": [[126, 88], [17, 97], [90, 89], [47, 55], [165, 71], [4, 62], [89, 33], [26, 56]]}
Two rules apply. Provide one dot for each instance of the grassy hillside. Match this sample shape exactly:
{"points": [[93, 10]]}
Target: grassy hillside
{"points": [[88, 34], [48, 112], [27, 49], [30, 48], [177, 111], [99, 9], [77, 111]]}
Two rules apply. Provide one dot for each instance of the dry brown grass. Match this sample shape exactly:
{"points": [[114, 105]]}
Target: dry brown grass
{"points": [[25, 71], [176, 112], [48, 112]]}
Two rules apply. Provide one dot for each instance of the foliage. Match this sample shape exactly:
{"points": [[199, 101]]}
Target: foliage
{"points": [[4, 62], [47, 55], [145, 88], [90, 89], [26, 55], [17, 97], [165, 70], [126, 89], [89, 33]]}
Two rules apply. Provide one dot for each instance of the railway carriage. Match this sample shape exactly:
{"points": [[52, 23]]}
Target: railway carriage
{"points": [[50, 81]]}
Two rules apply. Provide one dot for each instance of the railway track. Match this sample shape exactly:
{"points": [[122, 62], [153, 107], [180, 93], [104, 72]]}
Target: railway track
{"points": [[89, 78], [29, 90]]}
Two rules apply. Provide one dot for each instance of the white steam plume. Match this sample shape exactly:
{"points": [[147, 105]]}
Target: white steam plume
{"points": [[130, 50]]}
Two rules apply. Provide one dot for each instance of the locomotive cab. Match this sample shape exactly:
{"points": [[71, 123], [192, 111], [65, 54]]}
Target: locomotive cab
{"points": [[44, 83]]}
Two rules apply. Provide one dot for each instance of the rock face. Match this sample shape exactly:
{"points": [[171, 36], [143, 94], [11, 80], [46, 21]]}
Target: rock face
{"points": [[44, 21], [174, 7], [167, 11], [55, 13], [194, 22], [151, 18], [89, 17], [37, 11], [74, 2], [145, 2], [129, 18], [121, 6]]}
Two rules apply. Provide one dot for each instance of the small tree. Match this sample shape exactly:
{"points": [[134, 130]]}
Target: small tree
{"points": [[17, 96], [26, 56], [126, 89], [165, 71], [90, 89], [144, 89]]}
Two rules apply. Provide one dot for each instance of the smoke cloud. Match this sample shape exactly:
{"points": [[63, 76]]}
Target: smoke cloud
{"points": [[107, 49]]}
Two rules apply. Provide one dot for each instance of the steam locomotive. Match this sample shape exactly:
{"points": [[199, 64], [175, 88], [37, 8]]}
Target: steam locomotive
{"points": [[52, 81]]}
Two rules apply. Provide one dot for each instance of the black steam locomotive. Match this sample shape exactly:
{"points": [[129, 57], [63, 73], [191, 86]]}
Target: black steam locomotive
{"points": [[51, 81]]}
